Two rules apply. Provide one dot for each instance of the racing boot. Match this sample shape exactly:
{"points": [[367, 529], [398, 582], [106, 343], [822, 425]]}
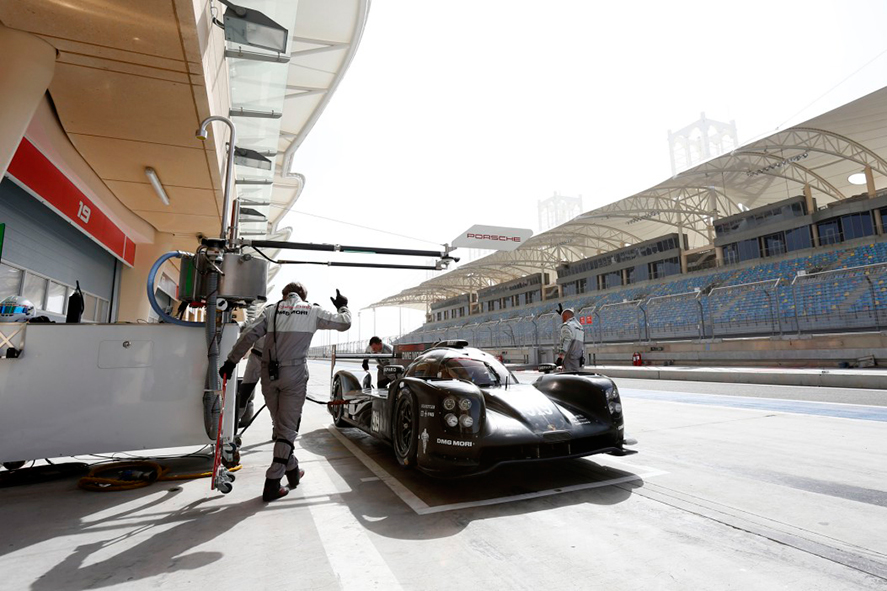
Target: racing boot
{"points": [[293, 477], [273, 490]]}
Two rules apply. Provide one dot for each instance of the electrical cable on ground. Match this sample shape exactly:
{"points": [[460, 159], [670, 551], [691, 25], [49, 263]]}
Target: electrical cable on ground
{"points": [[134, 474]]}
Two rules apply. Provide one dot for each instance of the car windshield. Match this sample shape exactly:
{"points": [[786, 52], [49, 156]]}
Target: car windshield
{"points": [[473, 370]]}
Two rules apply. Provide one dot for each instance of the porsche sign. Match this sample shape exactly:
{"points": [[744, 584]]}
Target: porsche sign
{"points": [[492, 238]]}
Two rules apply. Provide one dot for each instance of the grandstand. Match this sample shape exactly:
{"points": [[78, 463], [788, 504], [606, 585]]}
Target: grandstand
{"points": [[769, 239], [763, 298]]}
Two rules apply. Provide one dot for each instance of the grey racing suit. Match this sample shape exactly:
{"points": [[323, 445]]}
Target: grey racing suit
{"points": [[247, 388], [381, 379], [572, 344], [287, 327]]}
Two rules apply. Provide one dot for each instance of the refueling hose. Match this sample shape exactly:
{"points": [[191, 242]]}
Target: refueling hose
{"points": [[152, 274]]}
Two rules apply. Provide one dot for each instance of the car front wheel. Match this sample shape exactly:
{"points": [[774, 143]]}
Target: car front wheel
{"points": [[405, 431]]}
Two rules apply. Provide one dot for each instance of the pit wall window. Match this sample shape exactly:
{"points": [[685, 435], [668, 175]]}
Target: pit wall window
{"points": [[48, 296], [744, 250], [775, 214], [829, 232], [857, 225], [665, 268], [774, 244], [798, 239], [612, 280], [731, 254]]}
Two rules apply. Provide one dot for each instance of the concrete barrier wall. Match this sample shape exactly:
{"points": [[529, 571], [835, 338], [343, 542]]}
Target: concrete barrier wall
{"points": [[817, 351], [873, 379]]}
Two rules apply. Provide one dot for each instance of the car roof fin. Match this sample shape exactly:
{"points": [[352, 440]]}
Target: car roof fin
{"points": [[453, 344]]}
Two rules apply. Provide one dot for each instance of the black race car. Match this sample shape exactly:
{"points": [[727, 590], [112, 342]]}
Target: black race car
{"points": [[458, 411]]}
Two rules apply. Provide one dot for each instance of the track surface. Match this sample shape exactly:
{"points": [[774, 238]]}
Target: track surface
{"points": [[734, 488]]}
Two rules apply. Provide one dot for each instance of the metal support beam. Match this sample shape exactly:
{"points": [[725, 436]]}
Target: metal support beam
{"points": [[277, 58], [253, 182], [241, 112]]}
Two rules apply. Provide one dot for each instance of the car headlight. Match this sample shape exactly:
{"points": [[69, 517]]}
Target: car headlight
{"points": [[465, 404], [466, 421], [451, 420], [449, 403], [613, 394], [615, 408]]}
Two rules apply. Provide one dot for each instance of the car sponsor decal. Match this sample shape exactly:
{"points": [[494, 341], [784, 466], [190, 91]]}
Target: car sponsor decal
{"points": [[454, 442], [425, 437]]}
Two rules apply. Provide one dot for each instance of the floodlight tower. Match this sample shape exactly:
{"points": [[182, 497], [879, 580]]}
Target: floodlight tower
{"points": [[700, 141], [557, 210]]}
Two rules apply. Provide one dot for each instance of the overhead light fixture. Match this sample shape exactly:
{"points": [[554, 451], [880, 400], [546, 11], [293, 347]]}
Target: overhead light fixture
{"points": [[253, 182], [857, 178], [251, 158], [155, 182], [249, 212], [251, 27]]}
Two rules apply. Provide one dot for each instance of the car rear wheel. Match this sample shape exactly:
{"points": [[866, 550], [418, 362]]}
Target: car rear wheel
{"points": [[405, 431], [338, 410]]}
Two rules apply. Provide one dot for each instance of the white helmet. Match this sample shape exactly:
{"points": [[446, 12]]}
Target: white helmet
{"points": [[16, 309]]}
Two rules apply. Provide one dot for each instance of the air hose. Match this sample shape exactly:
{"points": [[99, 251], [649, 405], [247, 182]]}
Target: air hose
{"points": [[119, 476], [152, 274]]}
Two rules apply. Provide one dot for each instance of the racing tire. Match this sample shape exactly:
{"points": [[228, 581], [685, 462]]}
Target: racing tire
{"points": [[405, 429], [338, 410], [13, 465]]}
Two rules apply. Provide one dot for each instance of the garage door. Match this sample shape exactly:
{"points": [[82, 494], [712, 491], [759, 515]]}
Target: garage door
{"points": [[44, 256]]}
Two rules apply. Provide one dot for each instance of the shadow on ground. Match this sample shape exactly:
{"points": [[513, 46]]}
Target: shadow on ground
{"points": [[157, 532], [383, 513]]}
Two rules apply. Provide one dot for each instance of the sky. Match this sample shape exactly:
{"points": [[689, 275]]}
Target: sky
{"points": [[461, 113]]}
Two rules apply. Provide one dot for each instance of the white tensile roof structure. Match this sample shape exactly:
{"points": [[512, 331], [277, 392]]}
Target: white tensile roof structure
{"points": [[816, 156]]}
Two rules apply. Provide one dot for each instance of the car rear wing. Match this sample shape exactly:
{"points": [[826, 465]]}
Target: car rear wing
{"points": [[336, 355], [540, 367]]}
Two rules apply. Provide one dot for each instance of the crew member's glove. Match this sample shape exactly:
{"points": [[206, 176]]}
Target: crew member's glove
{"points": [[339, 301], [560, 308], [559, 362], [227, 370], [366, 365]]}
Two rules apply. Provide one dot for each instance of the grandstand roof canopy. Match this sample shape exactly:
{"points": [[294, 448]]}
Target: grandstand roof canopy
{"points": [[820, 154]]}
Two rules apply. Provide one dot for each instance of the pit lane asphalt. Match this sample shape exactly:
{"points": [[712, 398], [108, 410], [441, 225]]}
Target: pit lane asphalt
{"points": [[722, 495]]}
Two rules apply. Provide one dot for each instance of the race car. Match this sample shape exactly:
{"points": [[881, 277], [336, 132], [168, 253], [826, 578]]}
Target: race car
{"points": [[457, 411]]}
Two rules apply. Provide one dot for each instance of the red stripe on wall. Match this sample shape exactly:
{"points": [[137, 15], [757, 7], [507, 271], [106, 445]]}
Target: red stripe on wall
{"points": [[34, 170]]}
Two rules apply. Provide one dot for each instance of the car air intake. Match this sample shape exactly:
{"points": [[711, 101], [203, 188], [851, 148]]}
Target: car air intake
{"points": [[555, 436]]}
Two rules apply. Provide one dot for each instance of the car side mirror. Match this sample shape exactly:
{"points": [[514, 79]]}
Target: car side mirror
{"points": [[393, 370], [547, 367]]}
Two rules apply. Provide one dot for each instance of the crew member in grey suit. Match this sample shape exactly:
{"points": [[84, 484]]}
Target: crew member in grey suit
{"points": [[287, 327]]}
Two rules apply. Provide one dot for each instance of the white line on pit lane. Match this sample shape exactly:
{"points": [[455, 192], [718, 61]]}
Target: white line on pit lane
{"points": [[350, 550], [420, 507]]}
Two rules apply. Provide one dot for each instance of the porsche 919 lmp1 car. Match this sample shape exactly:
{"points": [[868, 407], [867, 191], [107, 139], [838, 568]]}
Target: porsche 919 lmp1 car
{"points": [[458, 411]]}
